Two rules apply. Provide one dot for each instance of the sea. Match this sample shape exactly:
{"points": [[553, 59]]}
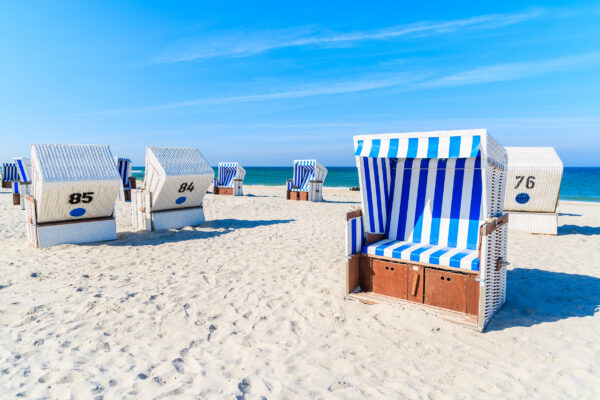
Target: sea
{"points": [[578, 183]]}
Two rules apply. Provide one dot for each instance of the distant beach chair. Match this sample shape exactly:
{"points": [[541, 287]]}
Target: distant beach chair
{"points": [[532, 192], [73, 195], [22, 186], [230, 180], [307, 183], [175, 182], [432, 228], [124, 168], [9, 175]]}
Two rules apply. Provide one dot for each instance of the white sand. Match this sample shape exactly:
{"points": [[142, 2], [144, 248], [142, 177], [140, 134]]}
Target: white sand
{"points": [[252, 305]]}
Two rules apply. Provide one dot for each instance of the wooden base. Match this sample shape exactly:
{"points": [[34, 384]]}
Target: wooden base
{"points": [[294, 195], [16, 199], [6, 185], [223, 190], [383, 280]]}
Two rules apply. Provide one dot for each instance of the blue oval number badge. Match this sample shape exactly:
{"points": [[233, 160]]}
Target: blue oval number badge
{"points": [[77, 212], [522, 198], [180, 200]]}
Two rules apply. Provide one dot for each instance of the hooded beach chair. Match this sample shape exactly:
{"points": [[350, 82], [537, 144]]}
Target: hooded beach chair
{"points": [[432, 228], [124, 168], [532, 190], [230, 179], [175, 182], [9, 175], [73, 194], [307, 183], [22, 186]]}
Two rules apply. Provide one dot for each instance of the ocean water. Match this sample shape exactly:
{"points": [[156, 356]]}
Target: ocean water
{"points": [[578, 183]]}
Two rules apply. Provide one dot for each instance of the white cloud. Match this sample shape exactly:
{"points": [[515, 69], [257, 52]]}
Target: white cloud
{"points": [[241, 44], [514, 71]]}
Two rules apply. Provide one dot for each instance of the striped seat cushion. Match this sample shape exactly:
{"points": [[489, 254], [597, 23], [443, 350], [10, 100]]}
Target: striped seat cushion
{"points": [[426, 253]]}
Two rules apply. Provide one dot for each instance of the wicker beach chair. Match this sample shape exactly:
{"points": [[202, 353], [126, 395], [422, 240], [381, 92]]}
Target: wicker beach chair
{"points": [[124, 168], [9, 175], [307, 183], [432, 228], [230, 180], [533, 186], [22, 186], [73, 195], [175, 182]]}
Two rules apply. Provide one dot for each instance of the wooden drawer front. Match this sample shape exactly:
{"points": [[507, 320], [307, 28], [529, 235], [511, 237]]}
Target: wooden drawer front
{"points": [[446, 290], [415, 283], [389, 279], [303, 196], [473, 295]]}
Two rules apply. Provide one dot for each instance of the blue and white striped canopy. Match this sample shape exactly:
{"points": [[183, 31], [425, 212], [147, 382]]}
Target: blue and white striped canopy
{"points": [[420, 145], [9, 172], [124, 168], [304, 172], [23, 169], [228, 171]]}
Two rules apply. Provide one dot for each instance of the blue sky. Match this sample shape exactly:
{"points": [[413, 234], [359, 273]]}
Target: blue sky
{"points": [[266, 82]]}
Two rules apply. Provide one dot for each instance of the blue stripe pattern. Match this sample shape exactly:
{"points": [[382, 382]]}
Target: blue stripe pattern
{"points": [[304, 172], [466, 146], [355, 236], [9, 172], [227, 172], [124, 168], [462, 259]]}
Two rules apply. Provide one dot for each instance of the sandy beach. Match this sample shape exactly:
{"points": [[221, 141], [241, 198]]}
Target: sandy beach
{"points": [[251, 305]]}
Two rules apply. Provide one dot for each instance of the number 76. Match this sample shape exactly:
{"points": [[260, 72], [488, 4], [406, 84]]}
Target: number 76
{"points": [[529, 183]]}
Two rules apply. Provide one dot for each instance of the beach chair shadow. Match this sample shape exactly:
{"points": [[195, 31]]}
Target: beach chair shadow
{"points": [[536, 296], [568, 215], [209, 229], [578, 230], [341, 202]]}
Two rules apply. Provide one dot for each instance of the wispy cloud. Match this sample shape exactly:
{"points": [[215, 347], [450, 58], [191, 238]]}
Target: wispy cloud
{"points": [[404, 81], [350, 86], [514, 71], [242, 44]]}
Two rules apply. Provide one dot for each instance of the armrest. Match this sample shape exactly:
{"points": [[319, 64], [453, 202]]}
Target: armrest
{"points": [[493, 224]]}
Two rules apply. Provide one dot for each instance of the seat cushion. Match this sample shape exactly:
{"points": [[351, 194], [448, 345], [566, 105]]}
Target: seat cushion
{"points": [[426, 253]]}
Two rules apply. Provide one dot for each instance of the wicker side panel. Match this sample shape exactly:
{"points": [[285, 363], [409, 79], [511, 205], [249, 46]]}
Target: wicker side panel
{"points": [[176, 219], [315, 191], [494, 247], [76, 233], [31, 221], [238, 185]]}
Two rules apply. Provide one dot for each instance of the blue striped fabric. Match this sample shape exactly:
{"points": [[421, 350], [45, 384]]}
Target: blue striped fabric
{"points": [[124, 168], [465, 146], [304, 172], [15, 187], [10, 172], [437, 202], [374, 175], [22, 169], [354, 236], [425, 253], [227, 172]]}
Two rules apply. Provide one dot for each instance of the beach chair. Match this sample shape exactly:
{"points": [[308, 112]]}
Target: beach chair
{"points": [[431, 230], [533, 186], [9, 175], [22, 186], [307, 183], [124, 168], [230, 180], [175, 182], [72, 196]]}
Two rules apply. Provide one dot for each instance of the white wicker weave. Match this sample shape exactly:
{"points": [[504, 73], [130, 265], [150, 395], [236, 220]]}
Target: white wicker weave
{"points": [[175, 179], [533, 187], [72, 183]]}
